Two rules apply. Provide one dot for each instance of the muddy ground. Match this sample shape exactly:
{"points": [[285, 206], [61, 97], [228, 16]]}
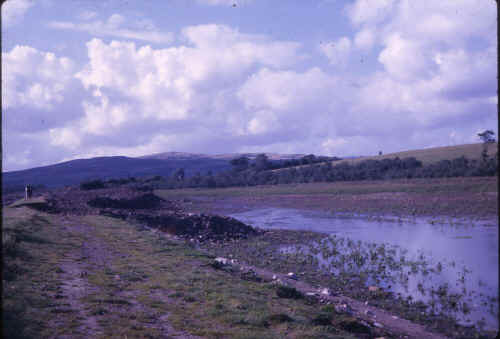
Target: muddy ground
{"points": [[474, 198]]}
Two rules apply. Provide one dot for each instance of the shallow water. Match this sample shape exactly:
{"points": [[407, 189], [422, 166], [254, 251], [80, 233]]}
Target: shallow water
{"points": [[456, 256]]}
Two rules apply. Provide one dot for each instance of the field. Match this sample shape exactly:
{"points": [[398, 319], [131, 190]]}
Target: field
{"points": [[435, 154], [79, 274]]}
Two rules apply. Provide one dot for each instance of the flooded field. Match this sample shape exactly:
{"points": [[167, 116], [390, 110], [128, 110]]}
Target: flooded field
{"points": [[449, 265]]}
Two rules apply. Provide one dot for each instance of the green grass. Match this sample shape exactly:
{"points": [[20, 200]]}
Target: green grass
{"points": [[433, 154], [479, 184], [197, 298], [428, 155], [144, 280], [32, 250]]}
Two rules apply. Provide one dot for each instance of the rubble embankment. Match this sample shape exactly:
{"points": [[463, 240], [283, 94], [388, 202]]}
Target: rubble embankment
{"points": [[146, 209]]}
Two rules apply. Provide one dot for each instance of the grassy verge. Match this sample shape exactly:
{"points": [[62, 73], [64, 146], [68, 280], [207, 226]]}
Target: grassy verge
{"points": [[32, 251]]}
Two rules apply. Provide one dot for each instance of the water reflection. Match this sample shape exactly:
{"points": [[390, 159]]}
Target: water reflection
{"points": [[449, 263]]}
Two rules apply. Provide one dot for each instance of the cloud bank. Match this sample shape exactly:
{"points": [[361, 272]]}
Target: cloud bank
{"points": [[221, 90]]}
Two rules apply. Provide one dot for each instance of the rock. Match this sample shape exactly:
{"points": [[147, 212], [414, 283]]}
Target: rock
{"points": [[250, 275], [373, 288], [292, 275], [222, 264], [222, 261], [275, 277], [370, 313], [343, 308], [379, 325], [325, 291]]}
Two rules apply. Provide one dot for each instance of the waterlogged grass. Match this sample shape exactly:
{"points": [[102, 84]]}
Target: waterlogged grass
{"points": [[412, 286], [412, 276]]}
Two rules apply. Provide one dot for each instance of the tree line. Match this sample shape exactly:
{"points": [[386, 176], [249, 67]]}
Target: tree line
{"points": [[260, 174]]}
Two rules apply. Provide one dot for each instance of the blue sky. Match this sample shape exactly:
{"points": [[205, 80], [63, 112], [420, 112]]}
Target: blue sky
{"points": [[93, 78]]}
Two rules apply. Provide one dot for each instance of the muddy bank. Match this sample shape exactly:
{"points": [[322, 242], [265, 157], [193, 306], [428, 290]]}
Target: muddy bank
{"points": [[400, 204]]}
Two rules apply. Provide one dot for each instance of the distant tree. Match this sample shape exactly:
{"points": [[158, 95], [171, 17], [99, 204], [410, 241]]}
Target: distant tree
{"points": [[179, 174], [92, 185], [240, 164], [487, 136], [308, 159], [261, 162]]}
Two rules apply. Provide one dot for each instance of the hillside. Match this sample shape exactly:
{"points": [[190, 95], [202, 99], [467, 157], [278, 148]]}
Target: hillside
{"points": [[75, 171], [164, 164], [225, 156], [427, 155], [434, 154]]}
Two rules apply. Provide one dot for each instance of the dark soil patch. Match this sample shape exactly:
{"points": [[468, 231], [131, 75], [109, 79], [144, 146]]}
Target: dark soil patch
{"points": [[288, 292], [201, 227], [146, 201]]}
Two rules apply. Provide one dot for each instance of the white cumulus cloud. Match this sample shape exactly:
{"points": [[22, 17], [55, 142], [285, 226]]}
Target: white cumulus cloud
{"points": [[34, 78]]}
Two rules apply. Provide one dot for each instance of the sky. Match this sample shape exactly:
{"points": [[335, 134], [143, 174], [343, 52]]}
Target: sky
{"points": [[87, 78]]}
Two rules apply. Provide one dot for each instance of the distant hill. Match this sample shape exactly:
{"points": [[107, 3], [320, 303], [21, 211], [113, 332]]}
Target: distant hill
{"points": [[226, 156], [75, 171], [434, 154], [164, 164]]}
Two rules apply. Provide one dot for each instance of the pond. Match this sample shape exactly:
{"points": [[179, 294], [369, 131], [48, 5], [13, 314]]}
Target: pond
{"points": [[449, 264]]}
